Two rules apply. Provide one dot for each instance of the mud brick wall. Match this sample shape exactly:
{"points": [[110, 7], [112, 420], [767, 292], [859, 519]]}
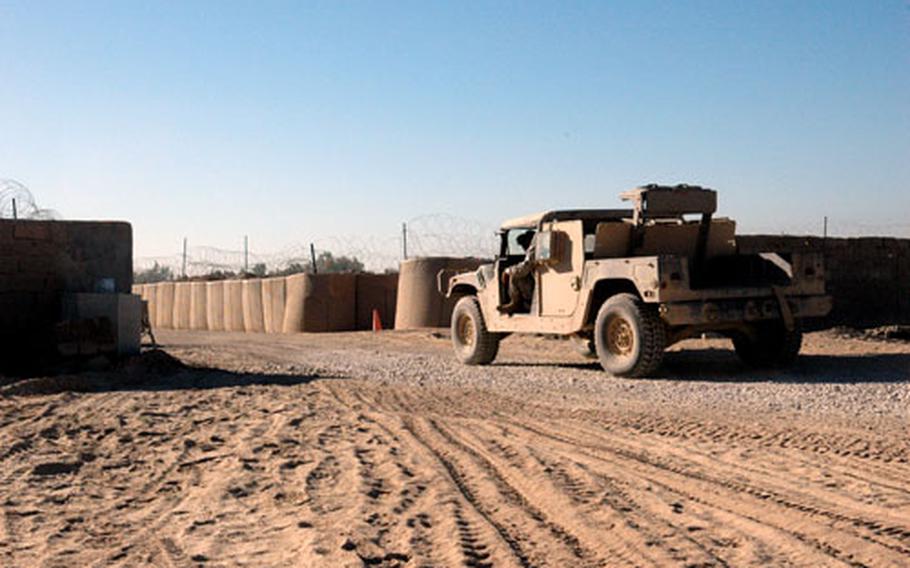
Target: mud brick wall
{"points": [[40, 260], [868, 277]]}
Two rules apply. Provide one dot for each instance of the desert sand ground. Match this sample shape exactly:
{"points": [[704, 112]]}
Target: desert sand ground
{"points": [[378, 449]]}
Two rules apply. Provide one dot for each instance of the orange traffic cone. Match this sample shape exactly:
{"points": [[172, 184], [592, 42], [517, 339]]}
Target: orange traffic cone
{"points": [[377, 321]]}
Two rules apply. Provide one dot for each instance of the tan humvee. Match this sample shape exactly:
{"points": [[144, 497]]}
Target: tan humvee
{"points": [[627, 283]]}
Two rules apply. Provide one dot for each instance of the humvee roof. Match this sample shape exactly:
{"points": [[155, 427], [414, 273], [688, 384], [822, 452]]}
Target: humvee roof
{"points": [[649, 201], [534, 220]]}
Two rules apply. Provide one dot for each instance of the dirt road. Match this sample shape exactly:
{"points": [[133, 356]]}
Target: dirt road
{"points": [[357, 449]]}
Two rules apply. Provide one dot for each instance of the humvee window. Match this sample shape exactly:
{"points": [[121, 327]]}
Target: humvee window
{"points": [[512, 246]]}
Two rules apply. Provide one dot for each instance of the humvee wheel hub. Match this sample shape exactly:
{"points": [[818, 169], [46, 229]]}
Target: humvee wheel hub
{"points": [[465, 329], [620, 337]]}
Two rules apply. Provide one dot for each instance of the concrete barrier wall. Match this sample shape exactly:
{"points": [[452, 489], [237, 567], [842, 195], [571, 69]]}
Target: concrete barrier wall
{"points": [[273, 303], [198, 316], [252, 306], [320, 302], [233, 305], [868, 277], [181, 317], [420, 304], [214, 305]]}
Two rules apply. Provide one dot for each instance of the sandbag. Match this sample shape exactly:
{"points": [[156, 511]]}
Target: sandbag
{"points": [[376, 292], [214, 305], [165, 307], [182, 305], [273, 304], [252, 306], [233, 305], [420, 304], [151, 296], [319, 302], [197, 306]]}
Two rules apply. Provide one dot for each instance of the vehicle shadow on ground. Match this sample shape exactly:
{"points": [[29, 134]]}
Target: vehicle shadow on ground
{"points": [[722, 365], [154, 370]]}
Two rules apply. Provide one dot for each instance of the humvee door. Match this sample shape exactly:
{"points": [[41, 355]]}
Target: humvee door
{"points": [[561, 256]]}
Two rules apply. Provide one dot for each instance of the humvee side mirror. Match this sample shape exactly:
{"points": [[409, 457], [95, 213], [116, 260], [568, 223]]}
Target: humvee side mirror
{"points": [[550, 245]]}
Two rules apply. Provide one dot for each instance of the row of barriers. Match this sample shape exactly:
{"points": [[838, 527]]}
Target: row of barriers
{"points": [[288, 304], [309, 302], [867, 277]]}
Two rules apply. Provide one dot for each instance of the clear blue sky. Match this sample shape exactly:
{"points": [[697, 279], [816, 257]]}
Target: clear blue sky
{"points": [[289, 121]]}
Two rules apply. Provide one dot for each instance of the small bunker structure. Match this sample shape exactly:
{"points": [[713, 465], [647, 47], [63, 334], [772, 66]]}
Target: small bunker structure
{"points": [[65, 291]]}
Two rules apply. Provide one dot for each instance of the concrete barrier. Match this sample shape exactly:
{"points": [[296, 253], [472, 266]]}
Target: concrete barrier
{"points": [[233, 305], [181, 317], [164, 311], [419, 303], [273, 304], [197, 306], [319, 302], [214, 305], [376, 292], [252, 306]]}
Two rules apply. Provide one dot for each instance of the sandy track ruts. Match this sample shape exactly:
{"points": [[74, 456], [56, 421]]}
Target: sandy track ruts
{"points": [[287, 463]]}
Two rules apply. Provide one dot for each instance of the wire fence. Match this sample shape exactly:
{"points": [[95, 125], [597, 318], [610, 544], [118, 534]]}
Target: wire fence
{"points": [[17, 202], [437, 234], [426, 235]]}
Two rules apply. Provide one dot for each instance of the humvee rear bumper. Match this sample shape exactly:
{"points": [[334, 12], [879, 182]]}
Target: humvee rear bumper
{"points": [[740, 310]]}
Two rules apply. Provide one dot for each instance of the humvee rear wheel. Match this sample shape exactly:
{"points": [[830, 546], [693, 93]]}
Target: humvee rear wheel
{"points": [[473, 344], [768, 345], [629, 336]]}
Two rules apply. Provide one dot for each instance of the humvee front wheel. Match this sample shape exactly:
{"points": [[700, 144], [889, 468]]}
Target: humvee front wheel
{"points": [[473, 344], [768, 345], [629, 336]]}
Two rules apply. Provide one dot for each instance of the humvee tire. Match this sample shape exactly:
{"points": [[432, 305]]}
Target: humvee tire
{"points": [[629, 336], [474, 345], [772, 345]]}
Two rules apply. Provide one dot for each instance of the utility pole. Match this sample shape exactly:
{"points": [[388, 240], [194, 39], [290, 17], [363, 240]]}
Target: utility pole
{"points": [[313, 258], [15, 213], [825, 230], [404, 240], [246, 254], [184, 257]]}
